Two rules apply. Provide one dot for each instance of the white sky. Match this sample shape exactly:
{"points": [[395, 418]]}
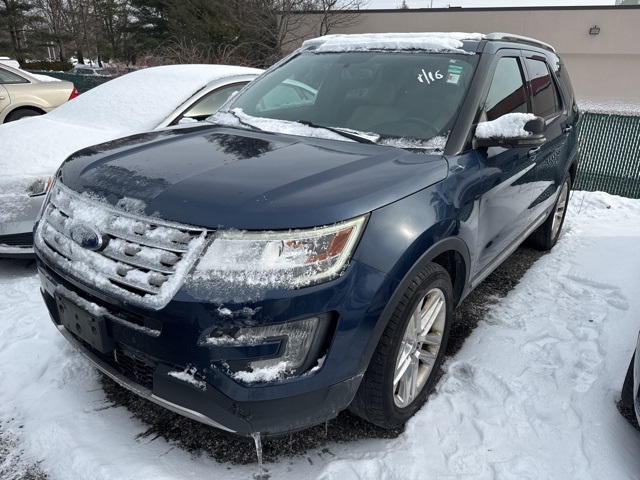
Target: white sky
{"points": [[484, 3]]}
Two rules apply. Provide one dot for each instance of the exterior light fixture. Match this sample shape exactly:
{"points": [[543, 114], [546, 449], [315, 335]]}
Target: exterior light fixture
{"points": [[595, 30]]}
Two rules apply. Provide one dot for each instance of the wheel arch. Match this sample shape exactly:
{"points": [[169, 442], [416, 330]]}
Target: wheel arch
{"points": [[450, 253], [573, 169], [39, 111]]}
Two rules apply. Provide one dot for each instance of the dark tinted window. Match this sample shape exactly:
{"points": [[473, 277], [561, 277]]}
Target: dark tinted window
{"points": [[507, 93], [546, 100]]}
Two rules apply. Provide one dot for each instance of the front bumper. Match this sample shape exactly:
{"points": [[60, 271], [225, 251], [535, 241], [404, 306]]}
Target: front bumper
{"points": [[146, 363], [19, 213], [19, 245], [211, 407]]}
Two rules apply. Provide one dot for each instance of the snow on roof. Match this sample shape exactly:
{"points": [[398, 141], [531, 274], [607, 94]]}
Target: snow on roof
{"points": [[140, 100], [430, 41], [134, 103]]}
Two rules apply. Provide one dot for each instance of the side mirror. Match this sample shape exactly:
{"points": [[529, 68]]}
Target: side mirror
{"points": [[515, 130]]}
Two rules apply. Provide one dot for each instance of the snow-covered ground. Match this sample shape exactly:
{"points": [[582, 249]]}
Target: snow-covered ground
{"points": [[531, 395]]}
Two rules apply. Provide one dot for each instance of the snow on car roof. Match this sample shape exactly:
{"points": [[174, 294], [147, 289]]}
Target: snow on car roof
{"points": [[142, 99], [130, 104], [427, 41]]}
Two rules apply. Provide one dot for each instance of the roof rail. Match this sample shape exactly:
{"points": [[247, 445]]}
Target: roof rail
{"points": [[511, 37]]}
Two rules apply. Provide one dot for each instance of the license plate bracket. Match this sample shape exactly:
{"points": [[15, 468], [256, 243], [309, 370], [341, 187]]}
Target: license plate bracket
{"points": [[88, 327]]}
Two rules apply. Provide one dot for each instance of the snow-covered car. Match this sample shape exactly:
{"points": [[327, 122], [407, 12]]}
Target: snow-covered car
{"points": [[25, 94], [86, 70], [144, 100], [10, 61]]}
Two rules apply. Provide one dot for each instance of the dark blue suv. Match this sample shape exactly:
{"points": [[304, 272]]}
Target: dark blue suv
{"points": [[302, 251]]}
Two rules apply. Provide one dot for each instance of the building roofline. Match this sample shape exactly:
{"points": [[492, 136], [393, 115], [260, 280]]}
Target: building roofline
{"points": [[486, 9]]}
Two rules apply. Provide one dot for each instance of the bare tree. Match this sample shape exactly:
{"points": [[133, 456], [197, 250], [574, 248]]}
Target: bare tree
{"points": [[338, 14], [52, 12]]}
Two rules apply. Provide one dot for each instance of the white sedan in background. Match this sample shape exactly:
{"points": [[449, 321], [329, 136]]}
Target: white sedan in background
{"points": [[32, 149]]}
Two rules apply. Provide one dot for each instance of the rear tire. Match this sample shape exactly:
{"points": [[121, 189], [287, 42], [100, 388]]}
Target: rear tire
{"points": [[546, 235], [20, 114], [407, 359]]}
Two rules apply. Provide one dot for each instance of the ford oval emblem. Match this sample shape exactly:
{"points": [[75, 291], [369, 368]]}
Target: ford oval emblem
{"points": [[87, 237]]}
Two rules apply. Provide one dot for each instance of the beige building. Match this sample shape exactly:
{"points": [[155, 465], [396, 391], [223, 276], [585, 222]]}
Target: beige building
{"points": [[599, 45]]}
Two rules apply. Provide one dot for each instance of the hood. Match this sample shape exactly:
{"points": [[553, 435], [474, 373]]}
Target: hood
{"points": [[222, 177]]}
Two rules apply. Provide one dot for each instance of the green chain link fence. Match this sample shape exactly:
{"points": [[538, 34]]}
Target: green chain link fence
{"points": [[82, 82], [610, 154]]}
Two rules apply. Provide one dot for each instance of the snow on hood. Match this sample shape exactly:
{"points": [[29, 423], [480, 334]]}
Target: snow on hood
{"points": [[134, 103], [431, 42], [507, 126]]}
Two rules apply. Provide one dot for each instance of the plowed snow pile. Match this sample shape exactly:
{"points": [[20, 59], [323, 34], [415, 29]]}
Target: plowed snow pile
{"points": [[531, 395]]}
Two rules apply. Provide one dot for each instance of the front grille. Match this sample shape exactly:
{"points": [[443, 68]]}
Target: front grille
{"points": [[17, 240], [144, 261], [134, 366]]}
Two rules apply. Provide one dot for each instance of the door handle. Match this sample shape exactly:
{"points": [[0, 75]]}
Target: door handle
{"points": [[2, 98], [567, 129], [534, 151]]}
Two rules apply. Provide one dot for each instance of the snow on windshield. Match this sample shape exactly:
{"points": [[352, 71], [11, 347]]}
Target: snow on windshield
{"points": [[237, 118], [507, 126], [436, 144], [431, 42]]}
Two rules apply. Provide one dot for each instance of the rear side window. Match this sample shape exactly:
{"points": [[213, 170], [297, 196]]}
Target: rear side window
{"points": [[9, 78], [546, 100], [507, 93]]}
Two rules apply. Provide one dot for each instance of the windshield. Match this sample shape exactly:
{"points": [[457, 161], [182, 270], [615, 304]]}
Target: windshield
{"points": [[390, 94]]}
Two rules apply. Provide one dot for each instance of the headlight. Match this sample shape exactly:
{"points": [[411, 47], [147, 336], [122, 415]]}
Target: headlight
{"points": [[291, 259], [39, 187]]}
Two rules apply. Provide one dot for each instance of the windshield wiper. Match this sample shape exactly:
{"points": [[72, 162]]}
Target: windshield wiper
{"points": [[242, 122], [345, 132]]}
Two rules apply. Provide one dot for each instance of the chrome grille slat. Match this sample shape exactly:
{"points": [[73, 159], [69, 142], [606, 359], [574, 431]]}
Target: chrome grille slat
{"points": [[145, 268], [135, 286], [141, 239], [135, 262], [146, 242]]}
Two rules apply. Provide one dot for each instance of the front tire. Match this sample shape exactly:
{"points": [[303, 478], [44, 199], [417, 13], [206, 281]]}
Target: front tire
{"points": [[546, 235], [20, 114], [406, 361]]}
